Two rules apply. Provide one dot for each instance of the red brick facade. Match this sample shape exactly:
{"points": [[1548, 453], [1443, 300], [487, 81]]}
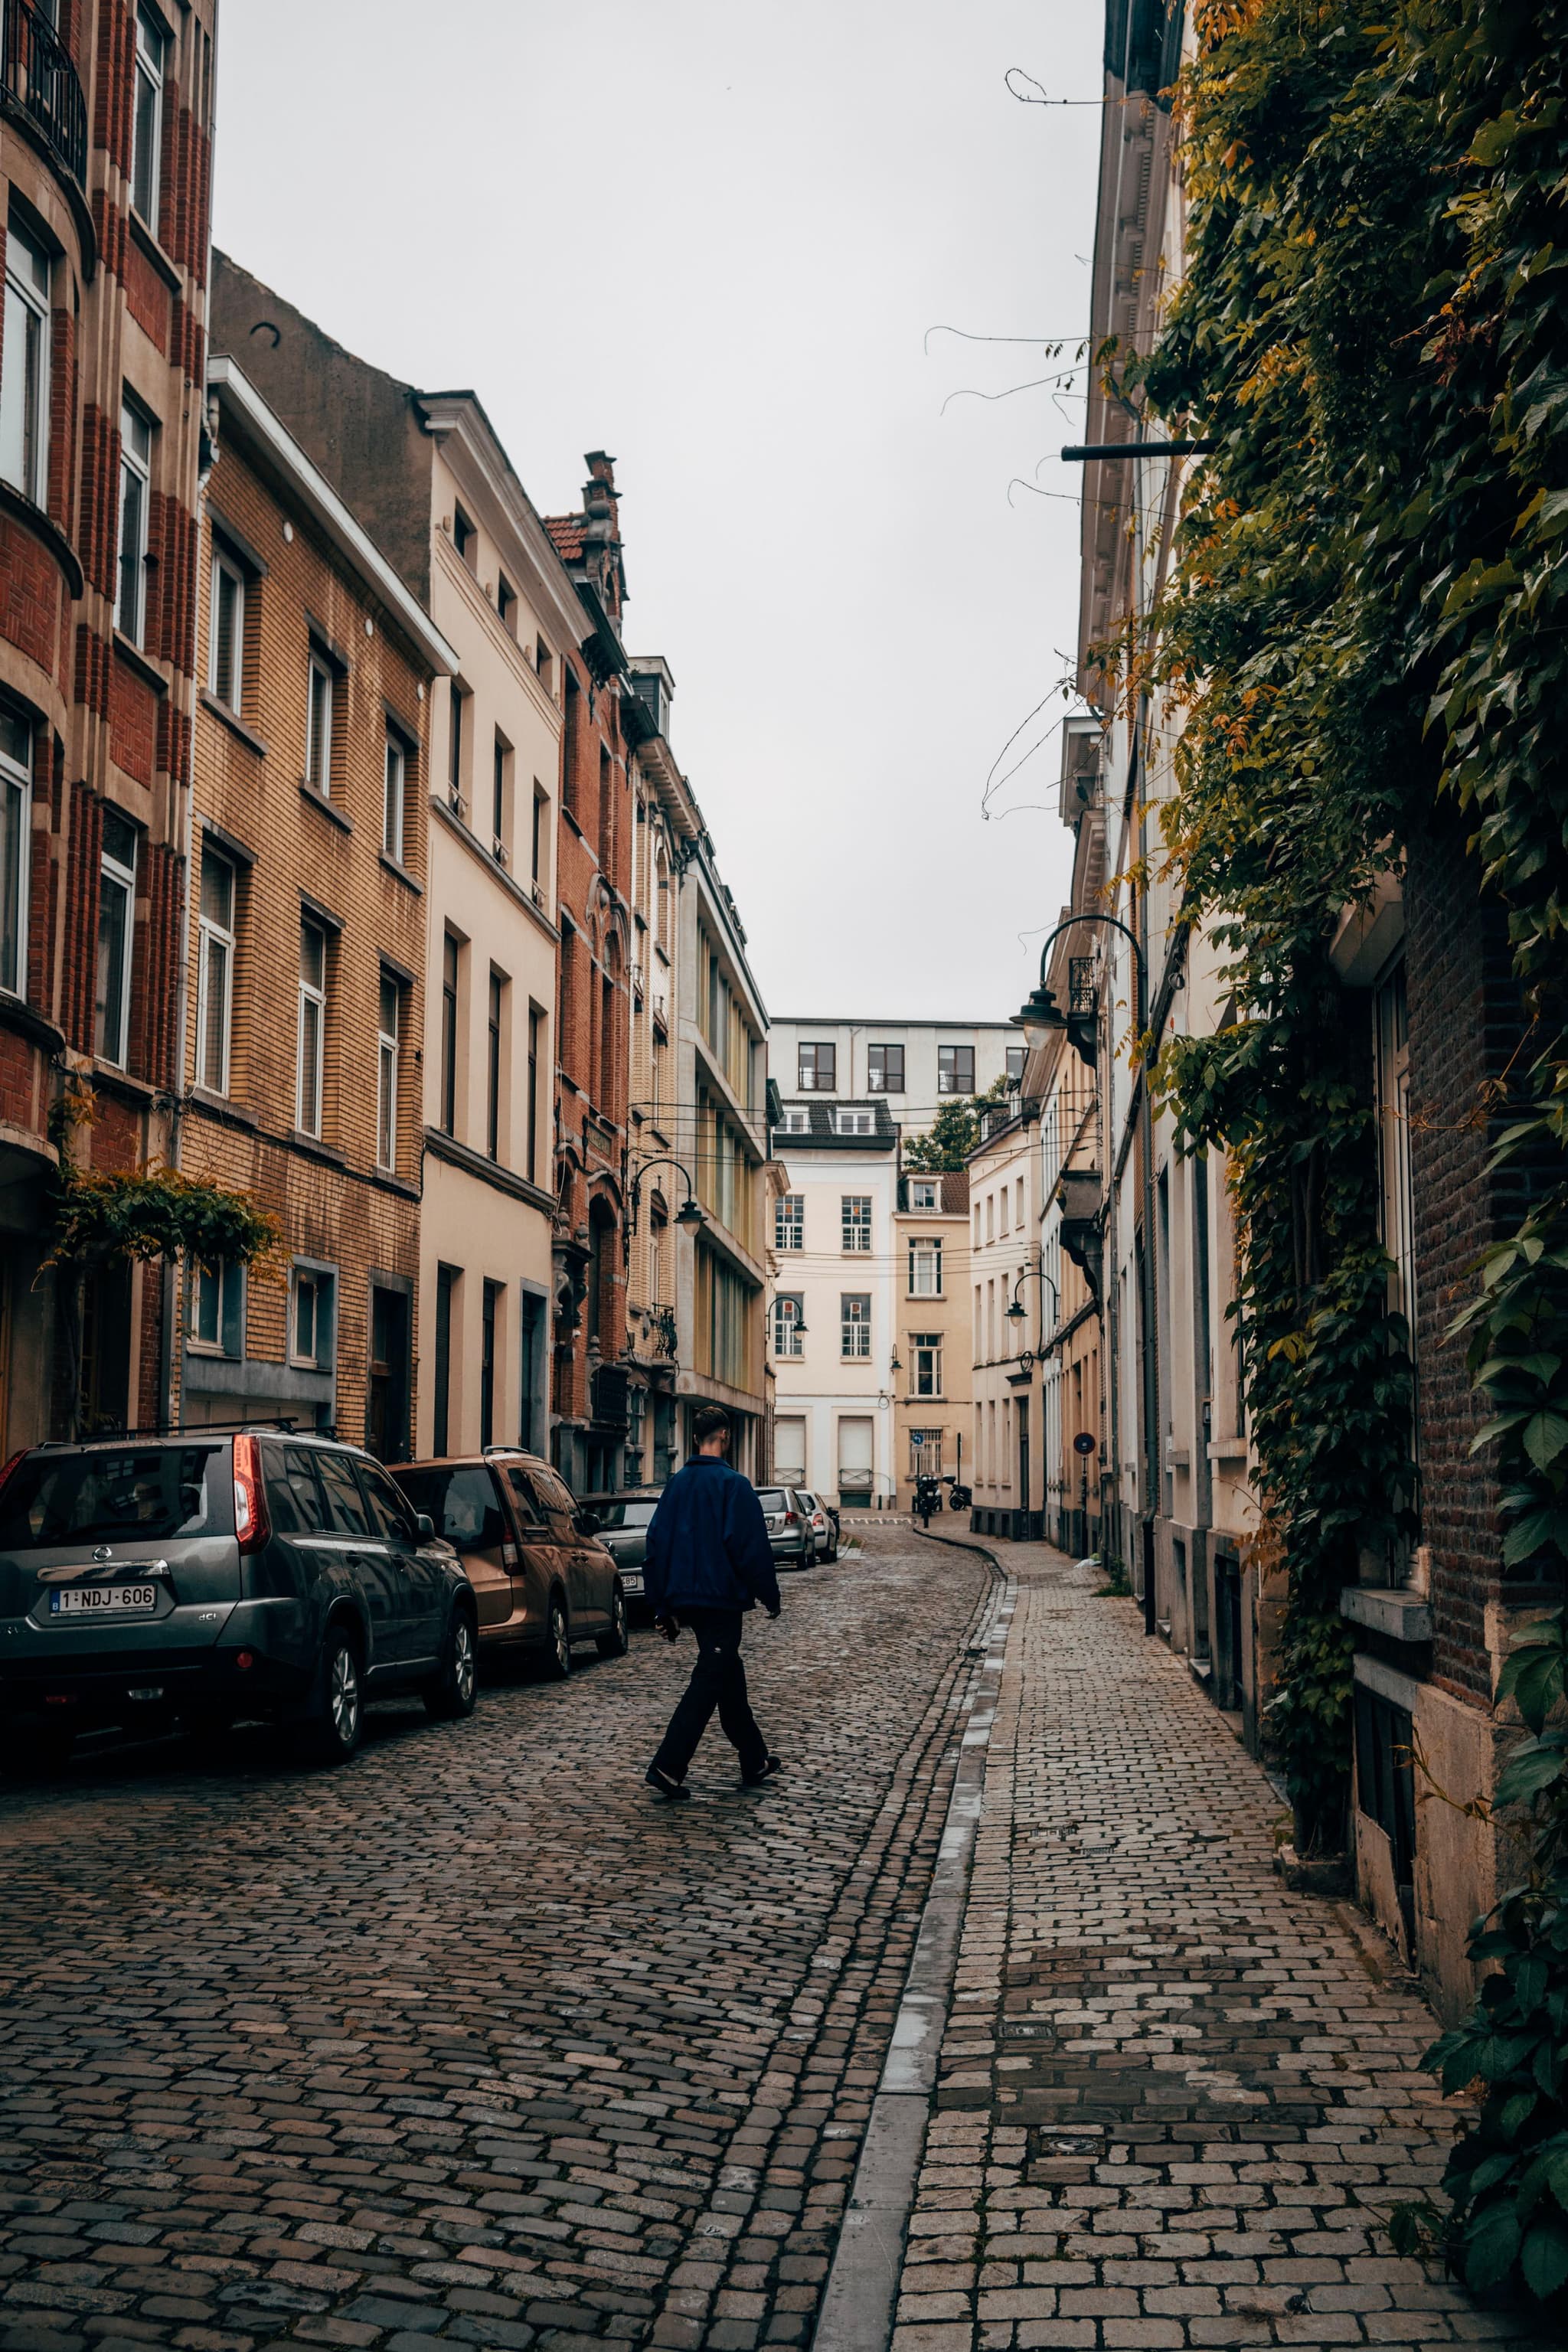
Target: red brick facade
{"points": [[109, 721]]}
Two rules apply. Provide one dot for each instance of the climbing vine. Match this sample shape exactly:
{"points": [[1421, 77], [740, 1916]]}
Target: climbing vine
{"points": [[1365, 624]]}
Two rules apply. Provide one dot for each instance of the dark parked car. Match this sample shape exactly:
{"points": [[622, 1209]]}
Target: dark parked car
{"points": [[206, 1578], [824, 1522], [542, 1578], [789, 1527], [622, 1522]]}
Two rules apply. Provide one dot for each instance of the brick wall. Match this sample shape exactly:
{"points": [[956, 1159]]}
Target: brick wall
{"points": [[1467, 1026]]}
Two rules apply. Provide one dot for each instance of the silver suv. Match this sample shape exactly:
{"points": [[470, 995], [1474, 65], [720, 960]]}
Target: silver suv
{"points": [[208, 1577]]}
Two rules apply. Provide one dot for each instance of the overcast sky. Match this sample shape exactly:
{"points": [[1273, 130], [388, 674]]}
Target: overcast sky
{"points": [[710, 235]]}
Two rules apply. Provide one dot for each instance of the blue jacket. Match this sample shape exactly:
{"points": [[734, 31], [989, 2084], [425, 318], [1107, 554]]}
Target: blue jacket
{"points": [[708, 1543]]}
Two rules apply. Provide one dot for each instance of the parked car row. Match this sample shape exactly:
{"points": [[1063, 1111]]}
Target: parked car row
{"points": [[213, 1576]]}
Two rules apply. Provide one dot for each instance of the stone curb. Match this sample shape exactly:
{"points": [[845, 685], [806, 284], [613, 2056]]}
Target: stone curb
{"points": [[861, 2295]]}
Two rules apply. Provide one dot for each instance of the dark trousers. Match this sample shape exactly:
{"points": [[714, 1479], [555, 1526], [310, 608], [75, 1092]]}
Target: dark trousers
{"points": [[718, 1680]]}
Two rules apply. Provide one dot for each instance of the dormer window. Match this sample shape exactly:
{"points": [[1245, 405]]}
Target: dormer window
{"points": [[925, 1192], [856, 1122]]}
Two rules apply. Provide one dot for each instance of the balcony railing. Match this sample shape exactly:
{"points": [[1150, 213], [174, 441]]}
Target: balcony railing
{"points": [[41, 83], [662, 1331]]}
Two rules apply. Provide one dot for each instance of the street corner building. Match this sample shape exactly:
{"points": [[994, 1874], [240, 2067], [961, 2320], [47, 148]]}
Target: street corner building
{"points": [[307, 939], [105, 150]]}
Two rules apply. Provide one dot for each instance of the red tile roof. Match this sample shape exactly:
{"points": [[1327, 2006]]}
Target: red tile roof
{"points": [[566, 532]]}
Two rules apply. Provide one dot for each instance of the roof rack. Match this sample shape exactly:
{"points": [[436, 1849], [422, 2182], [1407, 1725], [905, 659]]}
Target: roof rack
{"points": [[286, 1423]]}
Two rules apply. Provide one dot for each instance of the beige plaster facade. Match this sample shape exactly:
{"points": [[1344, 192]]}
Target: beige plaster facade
{"points": [[933, 1407]]}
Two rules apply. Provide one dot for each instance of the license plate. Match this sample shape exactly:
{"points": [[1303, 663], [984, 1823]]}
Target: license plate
{"points": [[631, 1581], [104, 1601]]}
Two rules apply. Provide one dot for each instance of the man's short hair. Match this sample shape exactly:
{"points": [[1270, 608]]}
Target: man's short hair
{"points": [[709, 1420]]}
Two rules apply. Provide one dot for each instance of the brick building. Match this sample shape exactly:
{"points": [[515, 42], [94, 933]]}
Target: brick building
{"points": [[307, 940], [592, 1417], [430, 477], [106, 109]]}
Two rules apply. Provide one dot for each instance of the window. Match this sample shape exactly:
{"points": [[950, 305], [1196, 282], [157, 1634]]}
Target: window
{"points": [[501, 773], [216, 1308], [818, 1069], [465, 537], [312, 1026], [885, 1069], [135, 478], [856, 1211], [226, 632], [856, 1122], [490, 1315], [319, 728], [116, 915], [536, 845], [455, 747], [855, 1324], [788, 1314], [1018, 1204], [15, 829], [214, 976], [1016, 1066], [310, 1319], [493, 1063], [793, 1122], [506, 604], [447, 1277], [925, 1269], [925, 1192], [393, 798], [387, 1073], [789, 1222], [542, 662], [530, 1398], [1001, 1211], [925, 1347], [535, 1038], [24, 366], [147, 119], [955, 1069], [449, 1034]]}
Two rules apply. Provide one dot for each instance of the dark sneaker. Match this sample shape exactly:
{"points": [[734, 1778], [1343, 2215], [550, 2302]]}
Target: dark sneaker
{"points": [[770, 1770], [663, 1786]]}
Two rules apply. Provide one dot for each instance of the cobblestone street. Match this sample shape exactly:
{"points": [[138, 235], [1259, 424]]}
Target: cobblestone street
{"points": [[1175, 2099], [473, 2042]]}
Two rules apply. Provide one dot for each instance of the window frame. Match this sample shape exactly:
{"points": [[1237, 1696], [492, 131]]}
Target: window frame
{"points": [[227, 1344], [115, 874], [948, 1078], [854, 1320], [394, 799], [151, 73], [883, 1081], [322, 1280], [320, 669], [855, 1210], [225, 567], [930, 1188], [386, 1069], [789, 1217], [925, 1250], [36, 360], [130, 565], [17, 793], [813, 1077], [925, 1381], [212, 935], [855, 1122], [312, 995], [451, 1029], [788, 1309]]}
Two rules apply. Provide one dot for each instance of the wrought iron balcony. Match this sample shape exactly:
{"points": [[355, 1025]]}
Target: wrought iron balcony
{"points": [[661, 1331], [40, 83]]}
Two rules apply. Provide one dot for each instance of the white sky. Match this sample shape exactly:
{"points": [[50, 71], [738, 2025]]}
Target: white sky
{"points": [[709, 235]]}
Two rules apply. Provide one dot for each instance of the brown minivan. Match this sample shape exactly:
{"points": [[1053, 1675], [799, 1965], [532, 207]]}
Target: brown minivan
{"points": [[541, 1579]]}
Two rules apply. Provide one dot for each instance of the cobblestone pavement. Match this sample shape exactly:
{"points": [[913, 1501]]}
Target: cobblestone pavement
{"points": [[1175, 2097], [474, 2042]]}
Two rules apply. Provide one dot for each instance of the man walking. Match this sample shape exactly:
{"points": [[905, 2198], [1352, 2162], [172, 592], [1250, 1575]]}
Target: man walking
{"points": [[709, 1560]]}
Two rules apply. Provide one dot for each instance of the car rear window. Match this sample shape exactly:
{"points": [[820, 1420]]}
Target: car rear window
{"points": [[461, 1500], [132, 1495], [626, 1515], [772, 1498]]}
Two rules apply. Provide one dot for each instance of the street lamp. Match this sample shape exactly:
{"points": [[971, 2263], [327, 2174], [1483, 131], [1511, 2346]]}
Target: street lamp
{"points": [[1017, 1312], [1040, 1017], [688, 1214]]}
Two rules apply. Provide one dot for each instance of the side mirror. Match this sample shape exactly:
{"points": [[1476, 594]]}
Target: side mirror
{"points": [[588, 1523], [424, 1526]]}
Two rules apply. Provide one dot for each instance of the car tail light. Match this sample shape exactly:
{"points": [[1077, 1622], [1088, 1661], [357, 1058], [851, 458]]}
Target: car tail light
{"points": [[9, 1470], [789, 1518], [250, 1499]]}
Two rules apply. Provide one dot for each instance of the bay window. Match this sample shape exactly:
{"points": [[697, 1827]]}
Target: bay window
{"points": [[24, 366]]}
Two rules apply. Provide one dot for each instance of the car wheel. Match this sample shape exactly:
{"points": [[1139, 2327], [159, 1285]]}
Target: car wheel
{"points": [[456, 1689], [336, 1720], [617, 1641], [558, 1643]]}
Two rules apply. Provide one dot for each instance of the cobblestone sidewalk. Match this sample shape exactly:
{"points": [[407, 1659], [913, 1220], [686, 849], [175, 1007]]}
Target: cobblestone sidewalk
{"points": [[1175, 2098]]}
